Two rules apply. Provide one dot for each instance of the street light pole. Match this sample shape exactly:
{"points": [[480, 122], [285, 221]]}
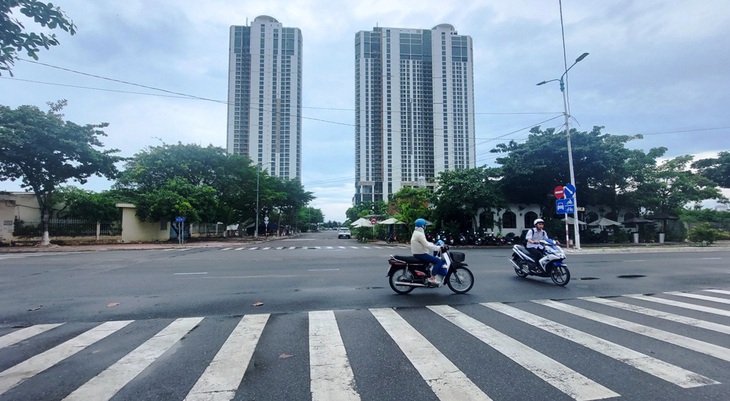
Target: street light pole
{"points": [[256, 230], [570, 149]]}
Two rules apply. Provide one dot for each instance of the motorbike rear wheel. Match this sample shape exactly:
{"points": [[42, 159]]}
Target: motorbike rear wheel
{"points": [[401, 275], [560, 275], [461, 280]]}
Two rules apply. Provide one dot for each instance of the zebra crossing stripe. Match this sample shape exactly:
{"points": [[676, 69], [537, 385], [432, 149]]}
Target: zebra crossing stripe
{"points": [[683, 305], [111, 380], [701, 297], [721, 328], [657, 334], [655, 367], [719, 292], [225, 372], [32, 366], [554, 373], [444, 378], [329, 368], [26, 333]]}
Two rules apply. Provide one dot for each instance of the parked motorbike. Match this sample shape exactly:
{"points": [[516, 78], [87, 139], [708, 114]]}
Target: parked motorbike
{"points": [[550, 265], [407, 272]]}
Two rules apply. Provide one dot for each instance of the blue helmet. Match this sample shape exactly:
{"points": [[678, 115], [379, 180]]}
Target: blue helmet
{"points": [[420, 223]]}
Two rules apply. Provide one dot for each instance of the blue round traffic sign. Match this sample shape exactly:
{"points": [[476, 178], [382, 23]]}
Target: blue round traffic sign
{"points": [[569, 190]]}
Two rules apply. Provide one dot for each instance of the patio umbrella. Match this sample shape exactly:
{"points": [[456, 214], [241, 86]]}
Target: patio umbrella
{"points": [[604, 222], [362, 222], [572, 220], [391, 220]]}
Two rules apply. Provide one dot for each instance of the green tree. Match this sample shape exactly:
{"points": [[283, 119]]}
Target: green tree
{"points": [[409, 204], [367, 208], [309, 217], [14, 37], [604, 168], [178, 197], [462, 194], [716, 169], [669, 187], [88, 205], [44, 151]]}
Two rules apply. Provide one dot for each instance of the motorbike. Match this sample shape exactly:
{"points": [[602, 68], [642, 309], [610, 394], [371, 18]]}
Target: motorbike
{"points": [[407, 273], [550, 265]]}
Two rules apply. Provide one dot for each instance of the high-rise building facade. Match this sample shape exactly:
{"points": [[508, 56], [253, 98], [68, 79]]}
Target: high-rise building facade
{"points": [[265, 96], [414, 112]]}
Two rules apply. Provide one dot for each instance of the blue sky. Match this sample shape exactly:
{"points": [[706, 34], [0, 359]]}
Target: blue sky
{"points": [[657, 68]]}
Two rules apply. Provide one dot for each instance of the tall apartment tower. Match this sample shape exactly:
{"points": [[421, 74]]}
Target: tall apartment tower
{"points": [[265, 96], [414, 111]]}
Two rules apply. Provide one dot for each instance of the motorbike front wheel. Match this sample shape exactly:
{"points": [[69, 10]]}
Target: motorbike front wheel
{"points": [[401, 275], [560, 275], [460, 280]]}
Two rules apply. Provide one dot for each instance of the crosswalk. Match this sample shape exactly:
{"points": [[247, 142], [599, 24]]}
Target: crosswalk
{"points": [[288, 248], [668, 346]]}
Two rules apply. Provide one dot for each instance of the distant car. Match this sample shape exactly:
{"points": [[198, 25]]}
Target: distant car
{"points": [[344, 233]]}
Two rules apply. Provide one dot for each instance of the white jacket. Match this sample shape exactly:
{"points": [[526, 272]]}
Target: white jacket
{"points": [[419, 243]]}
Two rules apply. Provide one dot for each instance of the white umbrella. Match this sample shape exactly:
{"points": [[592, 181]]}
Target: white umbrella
{"points": [[572, 220], [604, 222], [391, 220], [362, 222]]}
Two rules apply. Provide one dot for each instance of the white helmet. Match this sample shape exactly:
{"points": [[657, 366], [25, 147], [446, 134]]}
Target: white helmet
{"points": [[537, 221]]}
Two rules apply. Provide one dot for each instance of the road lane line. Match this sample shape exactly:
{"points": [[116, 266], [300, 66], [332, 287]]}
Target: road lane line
{"points": [[189, 274], [26, 333], [107, 383], [684, 305], [720, 328], [552, 372], [32, 366], [444, 378], [223, 376], [701, 297], [329, 368], [655, 367], [719, 291], [702, 347]]}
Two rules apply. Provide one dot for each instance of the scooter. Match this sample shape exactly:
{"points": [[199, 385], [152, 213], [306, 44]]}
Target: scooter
{"points": [[406, 273], [551, 265]]}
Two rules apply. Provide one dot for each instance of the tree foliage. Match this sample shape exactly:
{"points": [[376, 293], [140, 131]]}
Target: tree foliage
{"points": [[366, 209], [205, 184], [716, 169], [605, 170], [14, 37], [88, 205], [671, 185], [43, 151], [462, 194], [409, 204]]}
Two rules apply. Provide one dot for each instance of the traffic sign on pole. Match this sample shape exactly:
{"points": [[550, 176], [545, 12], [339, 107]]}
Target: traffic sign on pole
{"points": [[558, 192], [569, 190]]}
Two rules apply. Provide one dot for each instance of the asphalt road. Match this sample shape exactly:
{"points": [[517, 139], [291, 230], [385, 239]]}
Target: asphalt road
{"points": [[318, 318]]}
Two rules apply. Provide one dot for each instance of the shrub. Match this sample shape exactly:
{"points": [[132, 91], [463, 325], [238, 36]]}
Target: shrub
{"points": [[705, 234]]}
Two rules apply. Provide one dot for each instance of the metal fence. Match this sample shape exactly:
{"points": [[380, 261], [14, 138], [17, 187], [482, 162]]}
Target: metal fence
{"points": [[66, 228]]}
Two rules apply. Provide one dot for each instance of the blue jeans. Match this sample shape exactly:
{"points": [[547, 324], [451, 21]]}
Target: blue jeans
{"points": [[438, 264]]}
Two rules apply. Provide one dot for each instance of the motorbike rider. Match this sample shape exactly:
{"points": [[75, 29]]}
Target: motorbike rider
{"points": [[533, 237], [421, 249]]}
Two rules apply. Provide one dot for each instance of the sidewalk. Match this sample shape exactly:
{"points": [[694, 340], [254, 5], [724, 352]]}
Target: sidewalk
{"points": [[195, 243], [249, 241]]}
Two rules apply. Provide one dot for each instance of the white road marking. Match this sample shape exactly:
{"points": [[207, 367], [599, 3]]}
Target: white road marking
{"points": [[657, 334], [32, 366], [700, 308], [701, 297], [329, 369], [107, 383], [26, 333], [444, 378], [223, 376], [721, 328], [554, 373], [655, 367], [719, 292], [323, 270], [189, 274]]}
